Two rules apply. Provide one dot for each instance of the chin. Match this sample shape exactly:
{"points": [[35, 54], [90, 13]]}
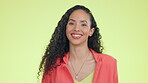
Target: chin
{"points": [[77, 43]]}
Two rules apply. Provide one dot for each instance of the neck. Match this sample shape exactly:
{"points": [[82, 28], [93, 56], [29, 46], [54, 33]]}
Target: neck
{"points": [[78, 52]]}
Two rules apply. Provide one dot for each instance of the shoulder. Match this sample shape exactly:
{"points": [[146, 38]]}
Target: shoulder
{"points": [[107, 58]]}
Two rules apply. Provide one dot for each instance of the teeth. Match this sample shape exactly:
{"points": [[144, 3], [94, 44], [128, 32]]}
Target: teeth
{"points": [[76, 35]]}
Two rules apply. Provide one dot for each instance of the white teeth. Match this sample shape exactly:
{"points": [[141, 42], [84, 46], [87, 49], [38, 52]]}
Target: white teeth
{"points": [[76, 35]]}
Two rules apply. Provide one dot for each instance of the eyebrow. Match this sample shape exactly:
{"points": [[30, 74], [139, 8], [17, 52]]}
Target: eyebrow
{"points": [[71, 20], [83, 21], [75, 20]]}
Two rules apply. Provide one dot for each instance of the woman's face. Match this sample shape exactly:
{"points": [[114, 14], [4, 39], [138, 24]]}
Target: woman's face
{"points": [[78, 28]]}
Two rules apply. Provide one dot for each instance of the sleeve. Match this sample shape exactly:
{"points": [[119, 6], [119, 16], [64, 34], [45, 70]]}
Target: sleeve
{"points": [[115, 79], [46, 78]]}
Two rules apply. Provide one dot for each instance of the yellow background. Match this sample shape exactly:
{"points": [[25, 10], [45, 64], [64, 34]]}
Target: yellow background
{"points": [[26, 27]]}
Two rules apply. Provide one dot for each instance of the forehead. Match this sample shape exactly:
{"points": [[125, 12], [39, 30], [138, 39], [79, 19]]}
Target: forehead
{"points": [[80, 15]]}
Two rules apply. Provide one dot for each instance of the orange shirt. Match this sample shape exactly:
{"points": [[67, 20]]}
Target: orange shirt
{"points": [[105, 71]]}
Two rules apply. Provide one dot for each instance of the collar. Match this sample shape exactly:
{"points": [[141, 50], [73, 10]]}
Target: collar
{"points": [[96, 55]]}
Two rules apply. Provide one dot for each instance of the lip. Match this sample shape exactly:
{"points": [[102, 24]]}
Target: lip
{"points": [[76, 35]]}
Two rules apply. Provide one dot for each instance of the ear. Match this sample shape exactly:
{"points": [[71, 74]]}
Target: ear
{"points": [[91, 31]]}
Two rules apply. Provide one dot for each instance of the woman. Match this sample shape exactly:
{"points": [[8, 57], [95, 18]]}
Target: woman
{"points": [[74, 54]]}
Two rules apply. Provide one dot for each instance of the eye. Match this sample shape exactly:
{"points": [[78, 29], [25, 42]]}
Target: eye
{"points": [[71, 23], [83, 25]]}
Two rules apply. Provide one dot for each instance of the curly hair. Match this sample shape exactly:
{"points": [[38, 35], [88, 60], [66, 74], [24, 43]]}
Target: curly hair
{"points": [[59, 43]]}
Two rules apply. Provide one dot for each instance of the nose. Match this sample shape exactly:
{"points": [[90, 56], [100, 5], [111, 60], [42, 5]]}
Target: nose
{"points": [[77, 28]]}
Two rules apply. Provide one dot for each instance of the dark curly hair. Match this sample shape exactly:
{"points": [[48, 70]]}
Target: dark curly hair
{"points": [[59, 43]]}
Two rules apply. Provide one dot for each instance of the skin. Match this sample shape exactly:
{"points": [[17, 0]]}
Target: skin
{"points": [[77, 31]]}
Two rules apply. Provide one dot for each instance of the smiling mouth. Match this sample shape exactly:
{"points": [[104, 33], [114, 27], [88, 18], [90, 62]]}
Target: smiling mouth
{"points": [[76, 36]]}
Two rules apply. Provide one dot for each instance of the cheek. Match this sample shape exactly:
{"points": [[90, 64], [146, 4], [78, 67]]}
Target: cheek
{"points": [[86, 31], [67, 31]]}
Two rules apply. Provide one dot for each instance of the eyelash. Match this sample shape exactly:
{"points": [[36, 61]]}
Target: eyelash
{"points": [[83, 24], [73, 24]]}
